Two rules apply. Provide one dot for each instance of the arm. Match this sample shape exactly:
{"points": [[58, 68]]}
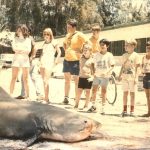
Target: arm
{"points": [[136, 72], [92, 73], [120, 73], [33, 50], [58, 54], [142, 66], [111, 68], [21, 47], [111, 65], [137, 66], [92, 69]]}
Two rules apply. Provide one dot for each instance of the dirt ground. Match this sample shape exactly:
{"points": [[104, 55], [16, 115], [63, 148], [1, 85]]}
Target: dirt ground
{"points": [[116, 133]]}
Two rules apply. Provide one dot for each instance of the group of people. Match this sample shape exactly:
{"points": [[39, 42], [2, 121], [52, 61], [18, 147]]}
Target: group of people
{"points": [[86, 61], [25, 50]]}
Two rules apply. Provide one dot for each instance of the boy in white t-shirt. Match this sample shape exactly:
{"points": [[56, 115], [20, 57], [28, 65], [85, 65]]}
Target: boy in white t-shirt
{"points": [[128, 74], [103, 64]]}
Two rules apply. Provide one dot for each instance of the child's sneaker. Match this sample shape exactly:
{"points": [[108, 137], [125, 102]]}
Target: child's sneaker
{"points": [[66, 101], [92, 109], [124, 114], [85, 109], [132, 114], [103, 109]]}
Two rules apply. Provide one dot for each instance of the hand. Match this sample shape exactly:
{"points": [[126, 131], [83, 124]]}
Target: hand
{"points": [[90, 79], [135, 81], [119, 79], [56, 62], [30, 59]]}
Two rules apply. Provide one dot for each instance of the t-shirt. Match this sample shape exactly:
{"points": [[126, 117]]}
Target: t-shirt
{"points": [[85, 67], [146, 65], [22, 48], [23, 45], [47, 58], [95, 44], [102, 63], [73, 44], [129, 61]]}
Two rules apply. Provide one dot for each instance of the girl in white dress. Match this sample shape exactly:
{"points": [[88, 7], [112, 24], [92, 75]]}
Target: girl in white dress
{"points": [[21, 45], [47, 60]]}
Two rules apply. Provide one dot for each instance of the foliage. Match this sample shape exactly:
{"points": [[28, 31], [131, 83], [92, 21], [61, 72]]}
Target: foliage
{"points": [[54, 13]]}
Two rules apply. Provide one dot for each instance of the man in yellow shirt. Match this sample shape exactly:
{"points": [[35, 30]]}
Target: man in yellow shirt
{"points": [[73, 43]]}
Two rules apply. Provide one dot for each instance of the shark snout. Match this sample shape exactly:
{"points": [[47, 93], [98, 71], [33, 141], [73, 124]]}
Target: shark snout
{"points": [[91, 125]]}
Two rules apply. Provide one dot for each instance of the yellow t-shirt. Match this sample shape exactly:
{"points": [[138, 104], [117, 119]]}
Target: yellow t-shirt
{"points": [[95, 44], [73, 44]]}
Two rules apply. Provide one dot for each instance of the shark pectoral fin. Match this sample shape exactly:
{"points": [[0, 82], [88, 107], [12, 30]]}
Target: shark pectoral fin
{"points": [[32, 139]]}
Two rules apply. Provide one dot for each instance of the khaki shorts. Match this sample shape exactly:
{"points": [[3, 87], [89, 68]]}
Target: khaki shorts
{"points": [[128, 86]]}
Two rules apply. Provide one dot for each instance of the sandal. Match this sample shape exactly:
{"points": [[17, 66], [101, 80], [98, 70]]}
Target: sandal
{"points": [[92, 109]]}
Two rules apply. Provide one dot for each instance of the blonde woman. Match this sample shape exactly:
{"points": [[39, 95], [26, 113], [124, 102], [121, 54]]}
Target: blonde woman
{"points": [[21, 46], [48, 61]]}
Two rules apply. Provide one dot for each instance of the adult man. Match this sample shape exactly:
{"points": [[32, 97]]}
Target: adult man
{"points": [[73, 43]]}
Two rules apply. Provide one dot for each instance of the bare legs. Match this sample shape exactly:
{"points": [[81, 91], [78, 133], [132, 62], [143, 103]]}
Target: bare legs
{"points": [[147, 92], [132, 101], [67, 84], [79, 93], [45, 76], [15, 71], [94, 91], [25, 72]]}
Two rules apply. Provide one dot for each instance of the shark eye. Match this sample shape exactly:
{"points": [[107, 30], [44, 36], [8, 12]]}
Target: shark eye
{"points": [[85, 121]]}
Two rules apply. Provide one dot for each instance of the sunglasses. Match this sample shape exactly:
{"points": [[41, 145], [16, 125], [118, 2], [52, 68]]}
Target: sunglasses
{"points": [[96, 30], [46, 34]]}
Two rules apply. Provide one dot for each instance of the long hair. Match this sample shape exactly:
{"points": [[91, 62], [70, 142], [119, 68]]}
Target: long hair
{"points": [[48, 31], [24, 30]]}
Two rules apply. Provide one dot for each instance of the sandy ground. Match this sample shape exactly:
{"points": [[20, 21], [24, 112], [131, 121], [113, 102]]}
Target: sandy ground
{"points": [[116, 133]]}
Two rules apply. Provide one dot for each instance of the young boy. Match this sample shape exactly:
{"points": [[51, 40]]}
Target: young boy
{"points": [[85, 75], [103, 65], [146, 79], [129, 75]]}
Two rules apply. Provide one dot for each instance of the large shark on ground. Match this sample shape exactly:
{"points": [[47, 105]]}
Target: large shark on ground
{"points": [[29, 121]]}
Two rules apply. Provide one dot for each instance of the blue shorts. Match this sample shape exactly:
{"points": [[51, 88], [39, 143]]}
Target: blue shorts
{"points": [[101, 81], [146, 82], [71, 66]]}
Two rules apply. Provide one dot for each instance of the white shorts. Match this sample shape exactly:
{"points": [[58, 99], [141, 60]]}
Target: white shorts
{"points": [[47, 63], [128, 86], [21, 60]]}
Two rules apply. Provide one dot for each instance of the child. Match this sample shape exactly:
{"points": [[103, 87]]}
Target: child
{"points": [[103, 65], [47, 60], [146, 79], [85, 75], [128, 74]]}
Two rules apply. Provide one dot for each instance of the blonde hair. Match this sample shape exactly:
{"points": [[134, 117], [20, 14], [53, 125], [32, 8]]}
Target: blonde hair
{"points": [[132, 42], [48, 31], [88, 46]]}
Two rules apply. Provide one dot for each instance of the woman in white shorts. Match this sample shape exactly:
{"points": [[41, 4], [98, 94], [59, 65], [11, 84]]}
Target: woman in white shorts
{"points": [[21, 45], [47, 60]]}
